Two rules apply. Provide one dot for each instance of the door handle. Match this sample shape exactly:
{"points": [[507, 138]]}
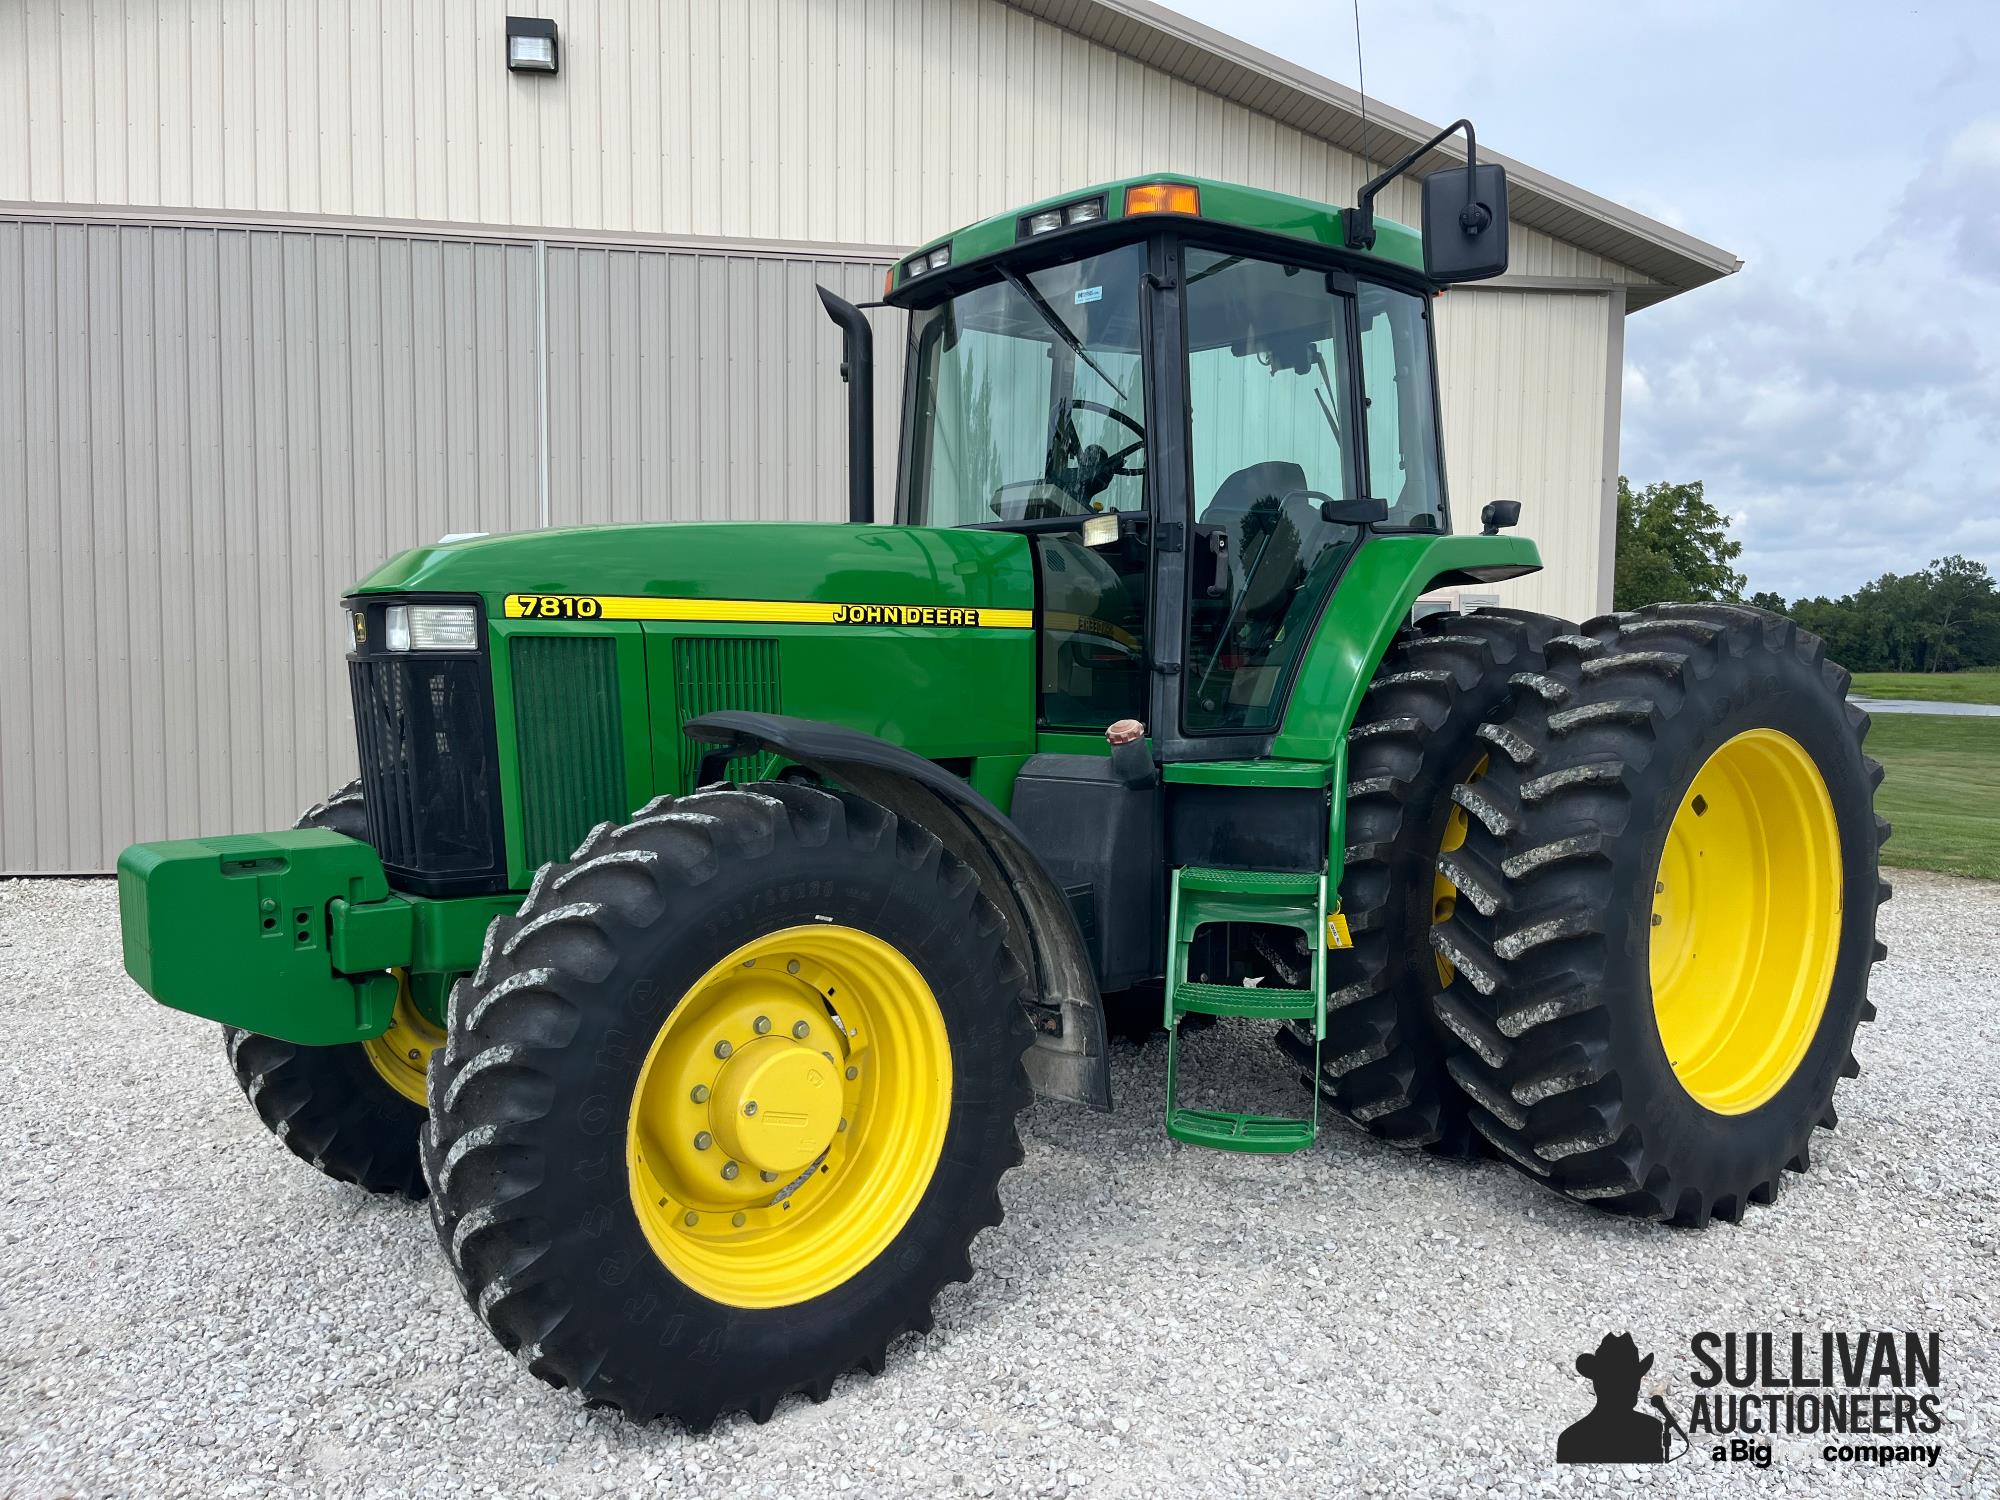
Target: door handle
{"points": [[1218, 563]]}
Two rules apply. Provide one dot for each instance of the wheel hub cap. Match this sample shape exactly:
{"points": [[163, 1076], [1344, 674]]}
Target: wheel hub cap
{"points": [[776, 1104]]}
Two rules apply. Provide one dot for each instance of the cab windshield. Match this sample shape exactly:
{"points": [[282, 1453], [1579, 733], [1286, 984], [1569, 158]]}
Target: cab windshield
{"points": [[1030, 397]]}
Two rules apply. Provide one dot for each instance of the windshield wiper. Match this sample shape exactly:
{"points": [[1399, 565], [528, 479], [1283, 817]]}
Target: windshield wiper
{"points": [[1047, 314]]}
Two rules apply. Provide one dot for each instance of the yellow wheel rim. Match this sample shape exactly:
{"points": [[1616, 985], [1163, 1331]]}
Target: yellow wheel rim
{"points": [[1746, 921], [1444, 894], [402, 1054], [789, 1116]]}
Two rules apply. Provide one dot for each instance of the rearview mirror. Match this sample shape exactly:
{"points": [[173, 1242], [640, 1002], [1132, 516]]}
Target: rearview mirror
{"points": [[1365, 511], [1465, 223]]}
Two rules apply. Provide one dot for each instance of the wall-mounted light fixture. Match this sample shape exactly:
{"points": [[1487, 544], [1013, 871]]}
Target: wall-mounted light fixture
{"points": [[531, 45]]}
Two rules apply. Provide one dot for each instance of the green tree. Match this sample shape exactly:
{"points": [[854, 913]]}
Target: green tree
{"points": [[1940, 620], [1765, 599], [1672, 545], [1961, 618]]}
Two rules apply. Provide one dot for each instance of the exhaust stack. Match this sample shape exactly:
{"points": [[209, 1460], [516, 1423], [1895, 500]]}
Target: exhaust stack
{"points": [[857, 368]]}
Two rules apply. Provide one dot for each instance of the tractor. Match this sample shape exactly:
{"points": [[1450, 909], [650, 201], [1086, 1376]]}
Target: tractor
{"points": [[714, 897]]}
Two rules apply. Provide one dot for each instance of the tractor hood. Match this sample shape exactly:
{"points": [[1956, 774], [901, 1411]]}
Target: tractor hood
{"points": [[813, 562]]}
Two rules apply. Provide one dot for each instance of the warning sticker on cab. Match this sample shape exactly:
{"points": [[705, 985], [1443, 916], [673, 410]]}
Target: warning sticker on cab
{"points": [[761, 611]]}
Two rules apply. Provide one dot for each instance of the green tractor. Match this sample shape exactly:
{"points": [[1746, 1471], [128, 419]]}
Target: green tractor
{"points": [[713, 898]]}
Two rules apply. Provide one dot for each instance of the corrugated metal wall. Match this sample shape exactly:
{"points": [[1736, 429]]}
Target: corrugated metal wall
{"points": [[206, 431], [1521, 380], [206, 434], [691, 387], [875, 122]]}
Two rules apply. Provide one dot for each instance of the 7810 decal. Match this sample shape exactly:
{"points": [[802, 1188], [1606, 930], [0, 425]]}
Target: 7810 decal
{"points": [[553, 607]]}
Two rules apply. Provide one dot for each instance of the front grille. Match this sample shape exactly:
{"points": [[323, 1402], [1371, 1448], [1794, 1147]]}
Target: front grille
{"points": [[571, 741], [728, 673], [430, 769]]}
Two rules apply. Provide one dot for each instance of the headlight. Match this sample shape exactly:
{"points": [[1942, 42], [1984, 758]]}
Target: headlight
{"points": [[352, 618], [430, 627], [1043, 222]]}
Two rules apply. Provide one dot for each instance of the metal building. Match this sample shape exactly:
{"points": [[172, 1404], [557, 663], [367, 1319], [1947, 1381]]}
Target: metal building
{"points": [[287, 287]]}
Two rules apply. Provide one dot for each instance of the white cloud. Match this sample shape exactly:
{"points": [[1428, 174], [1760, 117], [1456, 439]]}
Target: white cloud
{"points": [[1840, 394]]}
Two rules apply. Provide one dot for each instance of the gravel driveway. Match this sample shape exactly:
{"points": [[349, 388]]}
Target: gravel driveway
{"points": [[185, 1308]]}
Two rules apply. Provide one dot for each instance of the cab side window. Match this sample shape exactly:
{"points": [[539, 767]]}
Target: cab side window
{"points": [[1396, 385]]}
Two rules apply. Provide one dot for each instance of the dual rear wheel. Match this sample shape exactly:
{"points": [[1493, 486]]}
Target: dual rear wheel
{"points": [[1613, 895]]}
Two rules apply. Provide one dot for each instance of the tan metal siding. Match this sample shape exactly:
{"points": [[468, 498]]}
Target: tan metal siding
{"points": [[206, 434], [1521, 378], [705, 387], [873, 122]]}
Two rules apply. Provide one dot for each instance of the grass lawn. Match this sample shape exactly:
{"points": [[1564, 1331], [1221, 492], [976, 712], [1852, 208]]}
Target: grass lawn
{"points": [[1942, 792], [1982, 685]]}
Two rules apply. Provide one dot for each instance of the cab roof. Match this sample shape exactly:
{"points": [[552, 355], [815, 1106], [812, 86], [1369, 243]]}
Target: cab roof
{"points": [[1227, 203]]}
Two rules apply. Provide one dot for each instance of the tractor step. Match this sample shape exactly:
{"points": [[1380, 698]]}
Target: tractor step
{"points": [[1203, 896], [1235, 1000], [1252, 883], [1223, 1131]]}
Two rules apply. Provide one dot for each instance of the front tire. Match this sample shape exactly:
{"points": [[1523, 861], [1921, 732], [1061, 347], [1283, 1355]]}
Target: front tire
{"points": [[352, 1111], [1668, 915], [615, 1201]]}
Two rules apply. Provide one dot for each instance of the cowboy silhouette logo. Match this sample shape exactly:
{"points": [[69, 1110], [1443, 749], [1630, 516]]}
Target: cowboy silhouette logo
{"points": [[1613, 1432]]}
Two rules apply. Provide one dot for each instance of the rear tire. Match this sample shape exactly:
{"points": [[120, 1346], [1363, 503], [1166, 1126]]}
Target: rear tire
{"points": [[1589, 849], [329, 1105], [538, 1148], [1417, 735]]}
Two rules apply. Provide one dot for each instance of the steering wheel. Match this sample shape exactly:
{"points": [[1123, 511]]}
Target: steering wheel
{"points": [[1096, 468], [1080, 471]]}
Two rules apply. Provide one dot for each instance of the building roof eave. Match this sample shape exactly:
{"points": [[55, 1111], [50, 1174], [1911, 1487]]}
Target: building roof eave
{"points": [[1672, 259]]}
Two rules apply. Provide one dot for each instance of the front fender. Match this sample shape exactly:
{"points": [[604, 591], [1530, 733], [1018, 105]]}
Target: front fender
{"points": [[1068, 1058]]}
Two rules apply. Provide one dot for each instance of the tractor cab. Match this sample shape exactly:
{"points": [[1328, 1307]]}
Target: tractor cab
{"points": [[1197, 401]]}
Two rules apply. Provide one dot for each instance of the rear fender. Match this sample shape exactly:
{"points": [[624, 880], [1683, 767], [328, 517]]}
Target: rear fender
{"points": [[1068, 1058]]}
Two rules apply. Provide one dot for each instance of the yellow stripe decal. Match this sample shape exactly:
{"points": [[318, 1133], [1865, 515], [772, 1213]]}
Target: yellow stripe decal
{"points": [[760, 611]]}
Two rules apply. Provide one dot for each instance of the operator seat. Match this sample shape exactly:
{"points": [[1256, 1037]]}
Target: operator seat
{"points": [[1267, 571]]}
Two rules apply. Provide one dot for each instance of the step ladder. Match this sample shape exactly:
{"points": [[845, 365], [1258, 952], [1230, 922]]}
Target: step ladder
{"points": [[1201, 896]]}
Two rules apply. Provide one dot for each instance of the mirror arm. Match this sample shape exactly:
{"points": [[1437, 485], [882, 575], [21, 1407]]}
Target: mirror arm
{"points": [[1359, 221]]}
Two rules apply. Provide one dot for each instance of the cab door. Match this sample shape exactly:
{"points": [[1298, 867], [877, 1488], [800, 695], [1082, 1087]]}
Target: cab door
{"points": [[1273, 434]]}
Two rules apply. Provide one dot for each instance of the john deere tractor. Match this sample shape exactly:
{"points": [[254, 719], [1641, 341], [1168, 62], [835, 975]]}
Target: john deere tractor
{"points": [[714, 897]]}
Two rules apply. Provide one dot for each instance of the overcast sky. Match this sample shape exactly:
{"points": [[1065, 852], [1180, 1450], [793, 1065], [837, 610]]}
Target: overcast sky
{"points": [[1841, 393]]}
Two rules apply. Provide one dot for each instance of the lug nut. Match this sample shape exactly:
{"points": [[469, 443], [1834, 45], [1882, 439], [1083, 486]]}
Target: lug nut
{"points": [[750, 1106], [801, 1031], [703, 1140], [768, 1176], [723, 1049], [737, 1220], [843, 1124], [691, 1217], [729, 1171], [853, 1073], [1657, 919], [761, 1025], [792, 967], [415, 1054], [700, 1094]]}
